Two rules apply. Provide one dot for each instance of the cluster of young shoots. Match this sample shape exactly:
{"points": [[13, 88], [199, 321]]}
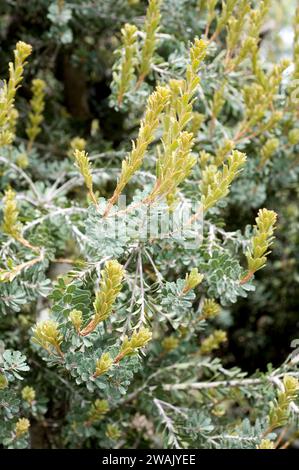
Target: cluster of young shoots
{"points": [[129, 346], [8, 113], [47, 334], [137, 59], [12, 227]]}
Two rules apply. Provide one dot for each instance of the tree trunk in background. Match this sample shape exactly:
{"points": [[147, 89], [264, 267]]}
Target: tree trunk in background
{"points": [[76, 90]]}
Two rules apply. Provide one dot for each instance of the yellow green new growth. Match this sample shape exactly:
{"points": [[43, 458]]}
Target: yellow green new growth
{"points": [[77, 143], [84, 166], [293, 136], [216, 183], [175, 160], [22, 427], [12, 271], [257, 18], [259, 98], [268, 149], [103, 364], [210, 309], [218, 100], [296, 46], [213, 341], [76, 317], [110, 286], [8, 92], [260, 243], [152, 21], [196, 122], [46, 334], [170, 343], [37, 108], [178, 166], [223, 150], [28, 394], [113, 432], [3, 382], [129, 38], [155, 105], [235, 26], [280, 409], [11, 225], [226, 13], [266, 444], [193, 279], [137, 341], [97, 411]]}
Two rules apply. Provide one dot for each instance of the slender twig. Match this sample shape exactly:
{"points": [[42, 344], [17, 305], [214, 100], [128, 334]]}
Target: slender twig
{"points": [[23, 175], [157, 272], [142, 299], [39, 220], [222, 383], [168, 423]]}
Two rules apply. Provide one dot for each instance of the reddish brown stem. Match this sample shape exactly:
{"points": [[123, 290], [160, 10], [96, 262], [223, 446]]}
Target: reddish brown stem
{"points": [[119, 357], [246, 278], [26, 243], [280, 437], [57, 347], [270, 429], [140, 81], [119, 100], [89, 328], [111, 203]]}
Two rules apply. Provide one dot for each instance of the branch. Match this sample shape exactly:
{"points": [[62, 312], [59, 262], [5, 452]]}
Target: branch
{"points": [[223, 383]]}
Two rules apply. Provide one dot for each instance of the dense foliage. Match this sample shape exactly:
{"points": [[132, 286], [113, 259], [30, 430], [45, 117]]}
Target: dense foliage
{"points": [[149, 166]]}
